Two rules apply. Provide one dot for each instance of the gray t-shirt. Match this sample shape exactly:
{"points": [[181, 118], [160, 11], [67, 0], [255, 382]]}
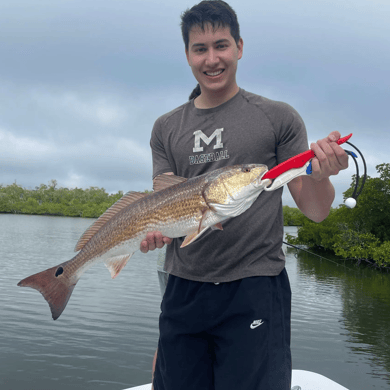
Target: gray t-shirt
{"points": [[246, 129]]}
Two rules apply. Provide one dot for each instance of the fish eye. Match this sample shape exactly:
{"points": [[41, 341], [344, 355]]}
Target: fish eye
{"points": [[246, 169]]}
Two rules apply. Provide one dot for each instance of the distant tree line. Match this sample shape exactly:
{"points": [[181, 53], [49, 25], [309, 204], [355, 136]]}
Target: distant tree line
{"points": [[50, 200], [77, 202]]}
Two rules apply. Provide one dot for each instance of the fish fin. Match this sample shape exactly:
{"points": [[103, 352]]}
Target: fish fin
{"points": [[127, 199], [201, 229], [54, 286], [192, 237], [116, 264], [161, 182]]}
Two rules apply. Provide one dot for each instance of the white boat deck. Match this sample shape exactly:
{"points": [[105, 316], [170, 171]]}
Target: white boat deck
{"points": [[307, 380]]}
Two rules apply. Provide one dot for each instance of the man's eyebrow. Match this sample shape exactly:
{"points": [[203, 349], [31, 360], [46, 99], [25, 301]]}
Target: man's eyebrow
{"points": [[215, 43], [221, 41]]}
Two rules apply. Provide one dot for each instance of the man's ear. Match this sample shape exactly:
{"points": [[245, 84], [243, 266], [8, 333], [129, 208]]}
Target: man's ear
{"points": [[240, 46], [188, 57]]}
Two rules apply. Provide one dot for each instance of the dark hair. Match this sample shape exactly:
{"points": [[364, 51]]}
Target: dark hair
{"points": [[195, 93], [216, 12]]}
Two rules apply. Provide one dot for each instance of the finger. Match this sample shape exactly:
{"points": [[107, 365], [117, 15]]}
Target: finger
{"points": [[333, 136], [337, 157], [341, 155], [322, 150], [325, 147], [315, 169], [144, 246], [167, 240], [325, 164], [151, 241], [158, 238]]}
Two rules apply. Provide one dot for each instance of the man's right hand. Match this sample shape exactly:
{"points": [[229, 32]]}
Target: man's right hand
{"points": [[154, 240]]}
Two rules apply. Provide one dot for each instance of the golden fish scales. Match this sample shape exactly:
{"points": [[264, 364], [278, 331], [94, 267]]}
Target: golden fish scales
{"points": [[161, 209]]}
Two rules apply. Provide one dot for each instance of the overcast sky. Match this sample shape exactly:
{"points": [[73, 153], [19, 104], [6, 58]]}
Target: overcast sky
{"points": [[82, 82]]}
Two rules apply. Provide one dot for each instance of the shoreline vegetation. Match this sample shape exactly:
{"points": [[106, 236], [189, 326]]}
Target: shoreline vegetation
{"points": [[361, 234], [77, 202]]}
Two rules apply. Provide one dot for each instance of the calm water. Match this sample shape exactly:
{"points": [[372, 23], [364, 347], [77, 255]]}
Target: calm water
{"points": [[108, 333]]}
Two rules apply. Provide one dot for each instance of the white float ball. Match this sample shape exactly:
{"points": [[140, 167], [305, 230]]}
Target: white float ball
{"points": [[350, 202]]}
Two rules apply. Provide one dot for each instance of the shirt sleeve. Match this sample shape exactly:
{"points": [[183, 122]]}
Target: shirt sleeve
{"points": [[292, 138], [159, 154]]}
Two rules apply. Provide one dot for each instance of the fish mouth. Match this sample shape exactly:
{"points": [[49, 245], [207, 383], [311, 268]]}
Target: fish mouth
{"points": [[258, 182], [263, 183]]}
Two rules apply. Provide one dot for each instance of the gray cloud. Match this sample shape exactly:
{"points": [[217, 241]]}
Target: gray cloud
{"points": [[82, 82]]}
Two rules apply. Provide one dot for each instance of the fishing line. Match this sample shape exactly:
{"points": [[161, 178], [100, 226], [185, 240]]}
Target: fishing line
{"points": [[373, 265], [315, 254]]}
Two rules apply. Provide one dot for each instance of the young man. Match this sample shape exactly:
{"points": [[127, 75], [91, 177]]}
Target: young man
{"points": [[225, 321]]}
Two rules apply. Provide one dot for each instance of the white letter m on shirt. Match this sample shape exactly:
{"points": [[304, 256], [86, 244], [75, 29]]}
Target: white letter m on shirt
{"points": [[199, 135]]}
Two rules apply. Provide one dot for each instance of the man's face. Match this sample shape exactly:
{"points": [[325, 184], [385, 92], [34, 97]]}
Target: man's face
{"points": [[213, 56]]}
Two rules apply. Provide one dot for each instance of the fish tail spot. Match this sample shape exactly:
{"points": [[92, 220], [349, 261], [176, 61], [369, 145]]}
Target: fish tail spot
{"points": [[59, 271]]}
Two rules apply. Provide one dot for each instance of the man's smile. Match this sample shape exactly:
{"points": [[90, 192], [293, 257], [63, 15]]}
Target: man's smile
{"points": [[216, 73]]}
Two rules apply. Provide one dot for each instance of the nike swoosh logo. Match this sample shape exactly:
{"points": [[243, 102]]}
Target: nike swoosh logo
{"points": [[256, 323]]}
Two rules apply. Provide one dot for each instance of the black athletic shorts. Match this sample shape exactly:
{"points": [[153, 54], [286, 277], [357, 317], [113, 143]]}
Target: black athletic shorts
{"points": [[225, 336]]}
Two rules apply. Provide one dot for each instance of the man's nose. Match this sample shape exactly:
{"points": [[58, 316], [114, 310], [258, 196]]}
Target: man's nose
{"points": [[212, 57]]}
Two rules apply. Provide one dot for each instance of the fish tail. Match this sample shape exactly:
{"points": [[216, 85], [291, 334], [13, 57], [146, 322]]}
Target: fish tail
{"points": [[55, 287]]}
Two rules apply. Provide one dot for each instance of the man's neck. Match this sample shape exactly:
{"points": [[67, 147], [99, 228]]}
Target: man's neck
{"points": [[210, 100]]}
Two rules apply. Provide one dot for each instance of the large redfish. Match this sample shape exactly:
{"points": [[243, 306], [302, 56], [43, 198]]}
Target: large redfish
{"points": [[178, 208]]}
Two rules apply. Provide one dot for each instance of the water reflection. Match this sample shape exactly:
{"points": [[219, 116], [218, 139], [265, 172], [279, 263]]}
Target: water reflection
{"points": [[351, 306]]}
